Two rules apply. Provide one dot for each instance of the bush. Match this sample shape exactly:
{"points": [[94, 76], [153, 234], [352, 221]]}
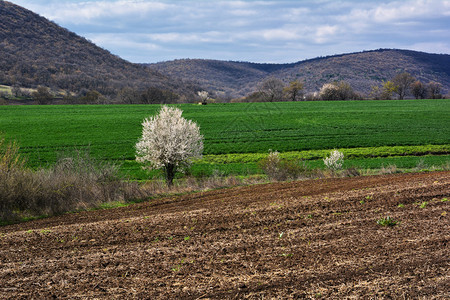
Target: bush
{"points": [[335, 160], [73, 183], [280, 169]]}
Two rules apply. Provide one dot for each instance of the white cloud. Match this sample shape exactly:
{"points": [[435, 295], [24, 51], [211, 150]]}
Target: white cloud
{"points": [[325, 33], [279, 34], [441, 48], [88, 12], [395, 11]]}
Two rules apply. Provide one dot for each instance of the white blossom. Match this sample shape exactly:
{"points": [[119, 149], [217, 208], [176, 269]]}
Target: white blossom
{"points": [[169, 141], [204, 96], [335, 160]]}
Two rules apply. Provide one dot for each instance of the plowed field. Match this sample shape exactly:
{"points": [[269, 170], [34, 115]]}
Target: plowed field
{"points": [[305, 239]]}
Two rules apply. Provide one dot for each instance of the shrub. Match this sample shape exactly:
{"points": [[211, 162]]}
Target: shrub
{"points": [[390, 169], [280, 169], [334, 161], [73, 183], [351, 172]]}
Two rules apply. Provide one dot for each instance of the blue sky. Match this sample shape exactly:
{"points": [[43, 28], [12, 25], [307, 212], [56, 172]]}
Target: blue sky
{"points": [[257, 31]]}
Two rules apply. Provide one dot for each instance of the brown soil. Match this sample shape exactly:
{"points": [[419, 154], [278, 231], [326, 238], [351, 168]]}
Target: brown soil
{"points": [[305, 239]]}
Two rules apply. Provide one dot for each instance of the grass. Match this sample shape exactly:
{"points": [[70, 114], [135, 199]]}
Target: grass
{"points": [[238, 135]]}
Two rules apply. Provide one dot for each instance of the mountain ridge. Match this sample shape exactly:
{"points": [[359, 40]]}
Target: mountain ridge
{"points": [[361, 69], [35, 51]]}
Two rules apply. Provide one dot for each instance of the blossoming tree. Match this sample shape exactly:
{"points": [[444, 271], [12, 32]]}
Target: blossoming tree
{"points": [[169, 141], [335, 160]]}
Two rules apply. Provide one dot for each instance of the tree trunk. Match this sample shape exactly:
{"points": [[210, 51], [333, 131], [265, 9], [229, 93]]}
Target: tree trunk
{"points": [[170, 173]]}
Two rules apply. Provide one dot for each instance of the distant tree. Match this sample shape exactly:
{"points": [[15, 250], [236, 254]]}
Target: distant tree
{"points": [[403, 83], [375, 92], [387, 90], [16, 91], [3, 97], [68, 98], [204, 96], [153, 95], [169, 141], [92, 96], [252, 97], [170, 97], [312, 96], [272, 89], [294, 90], [418, 89], [337, 91], [128, 96], [434, 90], [329, 91], [42, 95]]}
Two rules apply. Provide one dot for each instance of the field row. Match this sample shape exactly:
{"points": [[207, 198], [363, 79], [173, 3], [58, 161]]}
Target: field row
{"points": [[134, 171], [366, 152]]}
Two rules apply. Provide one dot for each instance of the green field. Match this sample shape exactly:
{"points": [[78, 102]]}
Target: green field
{"points": [[248, 129]]}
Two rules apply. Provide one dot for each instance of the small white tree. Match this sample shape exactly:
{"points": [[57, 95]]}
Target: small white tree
{"points": [[335, 160], [169, 141], [204, 96]]}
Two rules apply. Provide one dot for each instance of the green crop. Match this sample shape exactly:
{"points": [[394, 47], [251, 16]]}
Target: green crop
{"points": [[240, 133]]}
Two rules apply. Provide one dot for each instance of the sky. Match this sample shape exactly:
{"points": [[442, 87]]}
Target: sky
{"points": [[259, 31]]}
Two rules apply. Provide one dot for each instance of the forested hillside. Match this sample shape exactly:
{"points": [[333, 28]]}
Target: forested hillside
{"points": [[35, 51], [362, 70]]}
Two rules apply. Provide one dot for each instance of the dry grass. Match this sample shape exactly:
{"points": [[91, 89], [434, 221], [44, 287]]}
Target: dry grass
{"points": [[193, 184], [280, 169], [73, 183]]}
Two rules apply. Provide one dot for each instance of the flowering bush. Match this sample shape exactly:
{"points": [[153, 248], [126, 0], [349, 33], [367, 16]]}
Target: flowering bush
{"points": [[335, 160], [169, 141]]}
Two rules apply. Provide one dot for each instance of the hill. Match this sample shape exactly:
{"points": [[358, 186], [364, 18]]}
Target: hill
{"points": [[35, 51], [362, 70]]}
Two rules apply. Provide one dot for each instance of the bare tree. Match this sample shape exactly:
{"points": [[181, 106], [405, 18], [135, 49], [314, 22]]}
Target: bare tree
{"points": [[403, 83], [153, 95], [434, 90], [42, 95], [418, 89], [294, 90], [272, 89]]}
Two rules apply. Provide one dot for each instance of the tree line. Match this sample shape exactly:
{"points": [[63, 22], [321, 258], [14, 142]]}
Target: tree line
{"points": [[45, 95], [400, 86], [271, 89]]}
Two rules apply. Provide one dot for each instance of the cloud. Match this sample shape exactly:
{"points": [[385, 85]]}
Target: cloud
{"points": [[259, 31], [90, 12], [325, 33], [441, 48]]}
